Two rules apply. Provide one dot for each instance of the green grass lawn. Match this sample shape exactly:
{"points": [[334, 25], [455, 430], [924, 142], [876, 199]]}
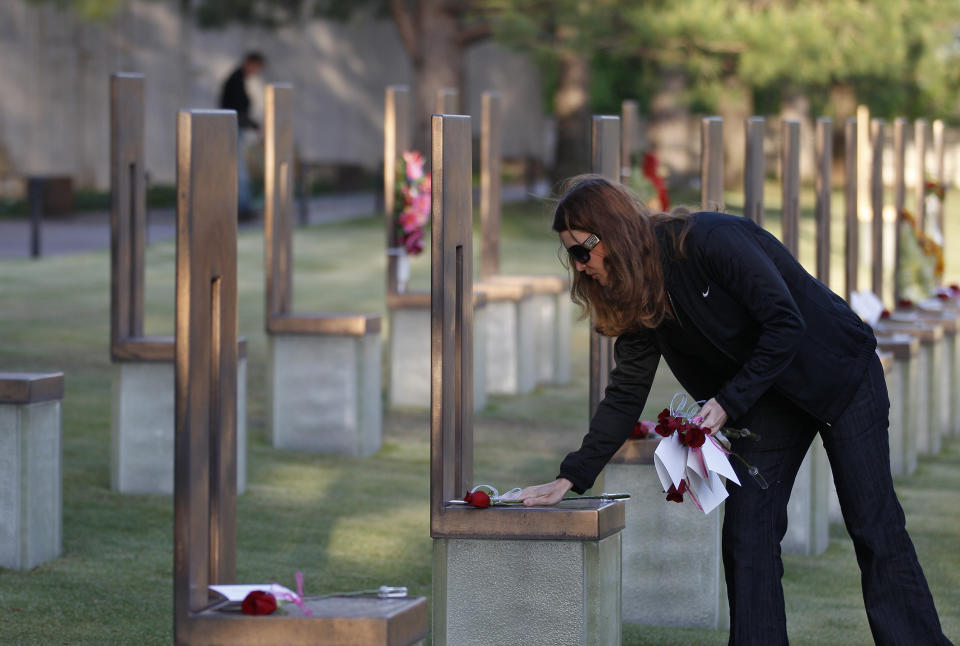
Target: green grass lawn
{"points": [[346, 523]]}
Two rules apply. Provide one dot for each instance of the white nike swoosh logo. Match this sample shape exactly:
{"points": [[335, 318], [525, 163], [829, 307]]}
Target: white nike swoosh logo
{"points": [[706, 293]]}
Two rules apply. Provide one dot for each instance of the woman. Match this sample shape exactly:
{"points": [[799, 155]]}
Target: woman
{"points": [[746, 329]]}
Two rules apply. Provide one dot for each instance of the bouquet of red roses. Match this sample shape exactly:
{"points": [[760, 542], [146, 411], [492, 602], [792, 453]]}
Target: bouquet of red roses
{"points": [[694, 459]]}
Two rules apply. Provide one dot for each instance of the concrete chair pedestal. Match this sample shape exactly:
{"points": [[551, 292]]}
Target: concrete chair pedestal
{"points": [[672, 565], [409, 349], [808, 511], [31, 465], [552, 326], [323, 384], [900, 356], [142, 419], [510, 347], [952, 307], [949, 379], [928, 376], [526, 575]]}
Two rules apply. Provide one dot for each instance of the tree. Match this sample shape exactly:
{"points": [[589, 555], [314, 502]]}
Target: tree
{"points": [[88, 9], [564, 36], [901, 55]]}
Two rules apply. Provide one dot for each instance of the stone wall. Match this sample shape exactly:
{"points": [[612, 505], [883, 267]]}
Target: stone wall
{"points": [[54, 80]]}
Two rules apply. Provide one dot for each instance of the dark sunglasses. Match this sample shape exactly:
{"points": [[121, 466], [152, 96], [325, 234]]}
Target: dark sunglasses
{"points": [[581, 252]]}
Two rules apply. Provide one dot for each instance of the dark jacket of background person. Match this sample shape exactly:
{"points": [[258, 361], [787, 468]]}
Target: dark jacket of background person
{"points": [[760, 310], [233, 96]]}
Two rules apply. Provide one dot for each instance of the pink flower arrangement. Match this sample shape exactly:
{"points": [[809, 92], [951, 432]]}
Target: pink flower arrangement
{"points": [[412, 201], [413, 161]]}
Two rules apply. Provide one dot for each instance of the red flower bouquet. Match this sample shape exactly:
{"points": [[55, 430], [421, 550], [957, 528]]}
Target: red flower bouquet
{"points": [[693, 459], [642, 430]]}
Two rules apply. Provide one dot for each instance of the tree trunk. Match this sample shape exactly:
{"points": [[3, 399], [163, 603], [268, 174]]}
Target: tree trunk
{"points": [[735, 105], [671, 129], [572, 111], [440, 65]]}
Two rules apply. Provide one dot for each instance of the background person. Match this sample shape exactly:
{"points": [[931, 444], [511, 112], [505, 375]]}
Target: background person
{"points": [[233, 96]]}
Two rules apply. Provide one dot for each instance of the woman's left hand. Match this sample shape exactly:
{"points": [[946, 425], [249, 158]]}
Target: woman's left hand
{"points": [[546, 494], [714, 417]]}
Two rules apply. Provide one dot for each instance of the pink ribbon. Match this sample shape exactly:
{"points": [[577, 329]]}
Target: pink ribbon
{"points": [[693, 497], [297, 598], [697, 451], [717, 444]]}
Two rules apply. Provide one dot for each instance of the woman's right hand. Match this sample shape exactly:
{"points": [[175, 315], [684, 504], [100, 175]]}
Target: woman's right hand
{"points": [[544, 495]]}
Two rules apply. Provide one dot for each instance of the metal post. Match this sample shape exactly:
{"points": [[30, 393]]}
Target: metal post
{"points": [[147, 213], [824, 187], [396, 139], [711, 163], [899, 195], [451, 359], [877, 142], [920, 143], [205, 469], [128, 223], [754, 173], [790, 185], [451, 305], [630, 127], [605, 147], [448, 99], [205, 445], [850, 206], [863, 163], [35, 204], [491, 138], [278, 189], [939, 171], [301, 187], [606, 162]]}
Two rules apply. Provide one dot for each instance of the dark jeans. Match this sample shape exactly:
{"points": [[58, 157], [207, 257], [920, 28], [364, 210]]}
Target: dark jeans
{"points": [[898, 602]]}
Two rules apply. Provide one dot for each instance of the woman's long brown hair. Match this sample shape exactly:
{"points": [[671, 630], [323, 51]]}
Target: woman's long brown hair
{"points": [[635, 295]]}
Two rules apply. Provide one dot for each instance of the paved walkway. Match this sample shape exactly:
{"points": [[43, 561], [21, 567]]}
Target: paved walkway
{"points": [[90, 231]]}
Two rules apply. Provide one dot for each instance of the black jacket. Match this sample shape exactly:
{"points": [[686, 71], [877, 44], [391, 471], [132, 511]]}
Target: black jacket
{"points": [[761, 310], [233, 96]]}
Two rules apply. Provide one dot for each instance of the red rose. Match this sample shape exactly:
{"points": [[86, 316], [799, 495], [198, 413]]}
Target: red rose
{"points": [[477, 499], [663, 427], [258, 602], [641, 430], [695, 436], [676, 495], [905, 303], [668, 424], [885, 314], [955, 288]]}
